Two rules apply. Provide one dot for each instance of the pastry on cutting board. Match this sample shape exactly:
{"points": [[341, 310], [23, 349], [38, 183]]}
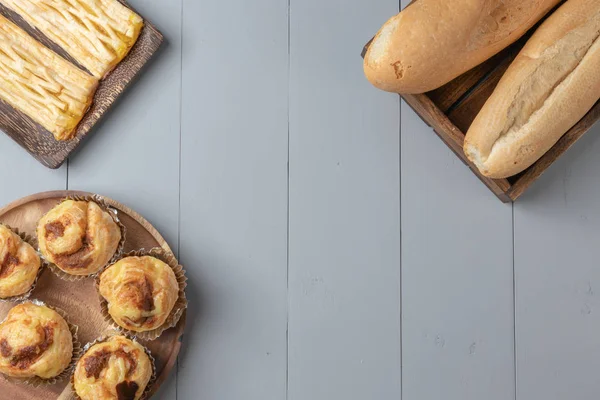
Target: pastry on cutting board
{"points": [[141, 292], [41, 84], [79, 237], [117, 368], [19, 264], [98, 34], [34, 341]]}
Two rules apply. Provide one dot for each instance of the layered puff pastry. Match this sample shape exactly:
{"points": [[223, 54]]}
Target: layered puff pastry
{"points": [[96, 33], [35, 341], [19, 264], [140, 292], [117, 368], [79, 237], [41, 84]]}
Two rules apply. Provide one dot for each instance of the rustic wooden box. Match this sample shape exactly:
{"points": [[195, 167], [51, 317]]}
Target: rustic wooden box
{"points": [[451, 109]]}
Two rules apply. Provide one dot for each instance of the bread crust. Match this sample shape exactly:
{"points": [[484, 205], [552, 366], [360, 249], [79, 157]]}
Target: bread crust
{"points": [[552, 84], [432, 42]]}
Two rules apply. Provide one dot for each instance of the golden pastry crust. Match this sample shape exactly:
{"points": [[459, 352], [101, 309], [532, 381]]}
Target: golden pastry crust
{"points": [[78, 237], [19, 264], [34, 341], [96, 33], [140, 291], [118, 368], [41, 84]]}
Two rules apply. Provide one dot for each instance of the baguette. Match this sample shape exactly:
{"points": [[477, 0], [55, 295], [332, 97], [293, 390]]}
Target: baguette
{"points": [[431, 42], [552, 84]]}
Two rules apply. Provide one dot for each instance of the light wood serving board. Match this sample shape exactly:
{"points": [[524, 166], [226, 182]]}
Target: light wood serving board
{"points": [[79, 299], [38, 141]]}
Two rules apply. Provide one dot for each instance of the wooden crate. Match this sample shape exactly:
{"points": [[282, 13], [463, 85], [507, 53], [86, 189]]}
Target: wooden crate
{"points": [[451, 109]]}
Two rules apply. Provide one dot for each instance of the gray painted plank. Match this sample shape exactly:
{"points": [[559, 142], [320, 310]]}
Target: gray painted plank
{"points": [[234, 199], [134, 155], [558, 280], [457, 276], [24, 175], [457, 281], [344, 252]]}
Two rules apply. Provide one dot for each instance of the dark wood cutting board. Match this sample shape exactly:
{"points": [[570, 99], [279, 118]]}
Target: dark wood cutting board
{"points": [[38, 141]]}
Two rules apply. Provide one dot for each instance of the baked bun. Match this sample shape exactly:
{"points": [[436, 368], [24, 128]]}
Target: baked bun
{"points": [[140, 291], [117, 368], [19, 264], [35, 341], [79, 237]]}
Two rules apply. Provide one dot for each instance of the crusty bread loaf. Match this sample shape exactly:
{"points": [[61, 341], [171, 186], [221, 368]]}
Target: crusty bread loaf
{"points": [[432, 42], [552, 84]]}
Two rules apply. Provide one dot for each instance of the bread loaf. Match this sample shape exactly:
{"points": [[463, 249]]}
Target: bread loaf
{"points": [[552, 84], [432, 42]]}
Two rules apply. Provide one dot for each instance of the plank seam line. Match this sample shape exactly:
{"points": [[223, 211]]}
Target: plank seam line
{"points": [[400, 205], [514, 303], [180, 140], [287, 251]]}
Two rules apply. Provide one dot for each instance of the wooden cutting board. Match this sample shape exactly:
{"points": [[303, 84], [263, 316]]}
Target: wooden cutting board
{"points": [[79, 299], [38, 141]]}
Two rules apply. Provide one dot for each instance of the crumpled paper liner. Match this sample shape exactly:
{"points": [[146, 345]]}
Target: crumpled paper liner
{"points": [[37, 381], [30, 240], [103, 338], [178, 308], [114, 214]]}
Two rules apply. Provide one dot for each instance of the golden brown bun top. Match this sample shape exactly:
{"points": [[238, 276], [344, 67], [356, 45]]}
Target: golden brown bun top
{"points": [[118, 368], [19, 264], [34, 341], [141, 292], [78, 237]]}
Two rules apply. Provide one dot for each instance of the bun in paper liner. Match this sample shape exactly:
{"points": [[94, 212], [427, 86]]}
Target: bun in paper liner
{"points": [[73, 329], [30, 240], [104, 206], [107, 335], [178, 308]]}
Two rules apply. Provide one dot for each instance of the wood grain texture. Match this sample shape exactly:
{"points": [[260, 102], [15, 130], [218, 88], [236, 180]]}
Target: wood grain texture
{"points": [[449, 94], [344, 210], [453, 138], [234, 198], [457, 316], [451, 109], [79, 299], [463, 114], [38, 141]]}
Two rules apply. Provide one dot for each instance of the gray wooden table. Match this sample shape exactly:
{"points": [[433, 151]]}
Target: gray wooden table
{"points": [[279, 174]]}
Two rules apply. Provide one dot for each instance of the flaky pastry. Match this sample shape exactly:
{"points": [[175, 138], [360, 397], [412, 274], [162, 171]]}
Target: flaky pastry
{"points": [[117, 368], [140, 291], [96, 33], [78, 237], [34, 341], [41, 84], [19, 264]]}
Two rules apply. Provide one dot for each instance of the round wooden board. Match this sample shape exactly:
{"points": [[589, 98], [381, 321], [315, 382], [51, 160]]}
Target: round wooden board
{"points": [[80, 299]]}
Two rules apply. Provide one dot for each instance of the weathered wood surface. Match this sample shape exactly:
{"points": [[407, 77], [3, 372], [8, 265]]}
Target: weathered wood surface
{"points": [[40, 143]]}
